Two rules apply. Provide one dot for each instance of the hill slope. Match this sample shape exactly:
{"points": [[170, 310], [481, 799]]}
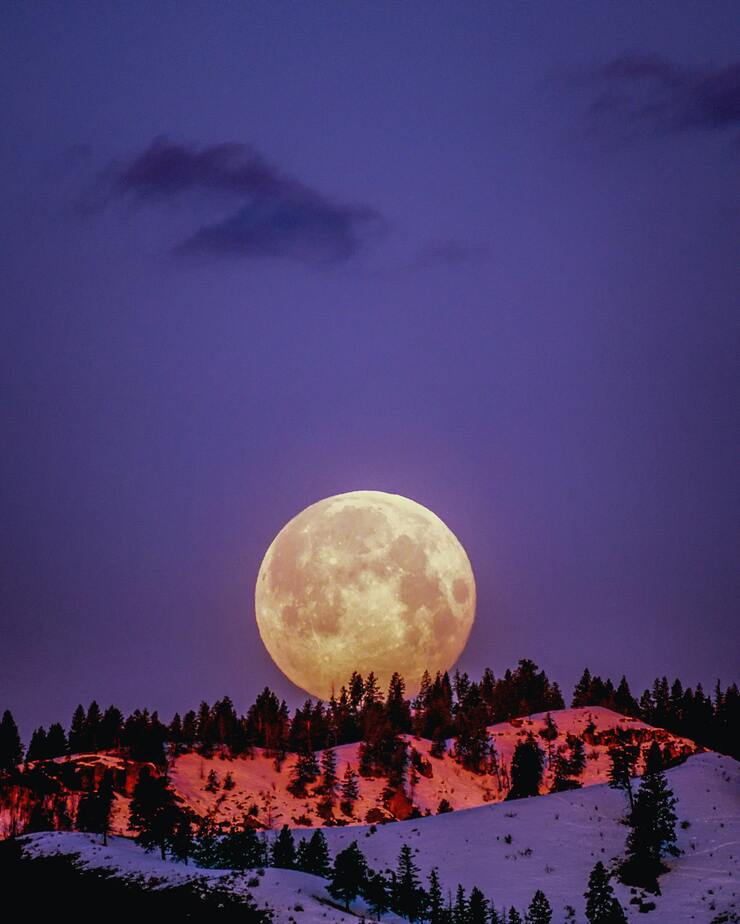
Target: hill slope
{"points": [[554, 842], [257, 782]]}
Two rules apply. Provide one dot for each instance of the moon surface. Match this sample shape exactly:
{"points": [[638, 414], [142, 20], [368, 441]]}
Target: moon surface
{"points": [[364, 581]]}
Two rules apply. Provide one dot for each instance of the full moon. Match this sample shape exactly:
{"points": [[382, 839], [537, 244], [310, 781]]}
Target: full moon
{"points": [[364, 581]]}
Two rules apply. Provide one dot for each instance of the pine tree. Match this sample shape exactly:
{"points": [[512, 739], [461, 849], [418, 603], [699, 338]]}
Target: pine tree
{"points": [[372, 694], [229, 783], [514, 916], [181, 842], [78, 731], [206, 847], [56, 741], [189, 729], [154, 812], [539, 911], [38, 748], [350, 790], [11, 749], [348, 875], [570, 762], [111, 727], [652, 830], [316, 855], [582, 692], [409, 897], [240, 847], [622, 762], [397, 707], [376, 891], [577, 760], [175, 729], [601, 905], [623, 699], [95, 808], [92, 726], [477, 907], [526, 769], [282, 854], [549, 734], [329, 774], [305, 771], [211, 781], [460, 908], [436, 904]]}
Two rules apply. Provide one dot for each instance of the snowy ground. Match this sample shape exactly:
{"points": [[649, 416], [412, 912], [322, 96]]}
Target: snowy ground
{"points": [[509, 850]]}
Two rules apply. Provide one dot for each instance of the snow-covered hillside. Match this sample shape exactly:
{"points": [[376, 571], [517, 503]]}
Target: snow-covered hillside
{"points": [[511, 849], [258, 783], [262, 788]]}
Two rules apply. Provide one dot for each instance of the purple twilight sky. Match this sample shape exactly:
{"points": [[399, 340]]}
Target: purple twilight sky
{"points": [[484, 255]]}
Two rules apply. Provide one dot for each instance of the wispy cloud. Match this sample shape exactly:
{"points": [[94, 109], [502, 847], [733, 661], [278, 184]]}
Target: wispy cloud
{"points": [[646, 94], [270, 214]]}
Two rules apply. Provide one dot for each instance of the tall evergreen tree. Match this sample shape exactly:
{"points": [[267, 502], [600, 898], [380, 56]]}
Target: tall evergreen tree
{"points": [[78, 731], [526, 769], [11, 749], [38, 748], [570, 762], [56, 741], [189, 729], [624, 702], [207, 845], [409, 898], [397, 706], [460, 908], [110, 728], [539, 911], [95, 808], [376, 891], [329, 780], [623, 757], [316, 855], [305, 770], [92, 726], [582, 691], [477, 907], [240, 847], [181, 842], [601, 905], [282, 854], [350, 790], [349, 875], [436, 904], [652, 830], [154, 812]]}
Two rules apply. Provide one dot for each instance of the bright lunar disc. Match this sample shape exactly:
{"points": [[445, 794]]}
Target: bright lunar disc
{"points": [[364, 581]]}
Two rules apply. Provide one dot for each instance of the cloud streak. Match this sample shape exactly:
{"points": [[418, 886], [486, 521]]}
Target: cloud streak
{"points": [[269, 213], [650, 95]]}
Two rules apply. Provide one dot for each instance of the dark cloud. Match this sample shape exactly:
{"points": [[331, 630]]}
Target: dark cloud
{"points": [[274, 216], [648, 94]]}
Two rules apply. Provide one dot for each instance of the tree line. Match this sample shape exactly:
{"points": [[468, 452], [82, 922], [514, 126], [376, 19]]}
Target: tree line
{"points": [[445, 708], [711, 721]]}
